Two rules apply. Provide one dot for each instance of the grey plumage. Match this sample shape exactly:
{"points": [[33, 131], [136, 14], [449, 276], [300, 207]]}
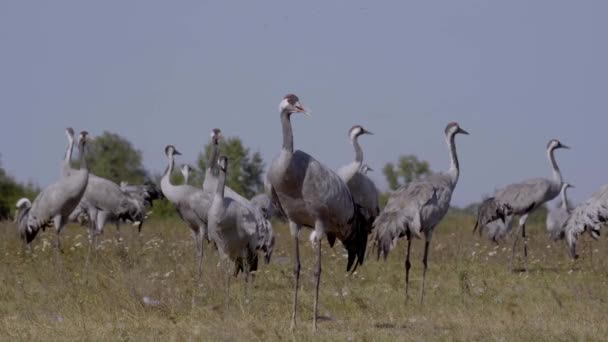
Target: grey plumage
{"points": [[362, 188], [66, 168], [557, 217], [192, 205], [146, 193], [58, 200], [233, 227], [23, 207], [105, 201], [497, 230], [416, 208], [312, 195], [522, 199], [186, 169], [264, 203], [210, 185], [588, 216], [112, 203]]}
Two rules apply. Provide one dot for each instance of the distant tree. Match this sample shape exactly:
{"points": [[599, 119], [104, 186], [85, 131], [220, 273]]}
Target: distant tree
{"points": [[114, 157], [245, 169], [408, 168], [10, 192]]}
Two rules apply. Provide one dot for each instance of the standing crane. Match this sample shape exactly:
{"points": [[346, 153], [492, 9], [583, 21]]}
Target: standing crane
{"points": [[588, 216], [312, 195], [104, 200], [234, 229], [417, 207], [192, 205], [56, 202], [210, 185], [558, 216], [522, 199], [362, 188]]}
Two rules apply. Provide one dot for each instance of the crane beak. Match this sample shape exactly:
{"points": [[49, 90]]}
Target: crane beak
{"points": [[367, 132], [369, 169], [564, 146], [176, 152], [301, 109], [462, 131]]}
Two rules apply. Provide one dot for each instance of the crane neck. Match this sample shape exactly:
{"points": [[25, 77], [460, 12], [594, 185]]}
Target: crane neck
{"points": [[83, 159], [358, 151], [557, 175], [454, 170], [68, 152], [221, 184], [169, 169], [212, 160], [564, 198], [186, 173], [287, 132]]}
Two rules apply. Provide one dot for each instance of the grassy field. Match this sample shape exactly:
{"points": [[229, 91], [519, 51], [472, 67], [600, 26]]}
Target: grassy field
{"points": [[470, 293]]}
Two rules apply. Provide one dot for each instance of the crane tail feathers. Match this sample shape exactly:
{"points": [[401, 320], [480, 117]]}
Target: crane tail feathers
{"points": [[389, 226], [331, 239], [490, 210], [356, 242]]}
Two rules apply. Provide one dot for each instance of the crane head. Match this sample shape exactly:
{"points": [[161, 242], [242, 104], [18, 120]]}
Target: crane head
{"points": [[365, 169], [170, 151], [70, 133], [82, 137], [358, 130], [216, 135], [223, 163], [555, 144], [454, 128], [291, 104]]}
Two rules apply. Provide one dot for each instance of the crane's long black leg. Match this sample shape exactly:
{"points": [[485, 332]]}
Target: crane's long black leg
{"points": [[226, 267], [318, 236], [295, 230], [408, 264], [425, 265], [247, 274], [198, 242], [514, 246], [523, 235], [522, 223]]}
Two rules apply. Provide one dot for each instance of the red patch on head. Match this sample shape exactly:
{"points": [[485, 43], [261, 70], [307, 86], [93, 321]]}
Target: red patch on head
{"points": [[292, 99]]}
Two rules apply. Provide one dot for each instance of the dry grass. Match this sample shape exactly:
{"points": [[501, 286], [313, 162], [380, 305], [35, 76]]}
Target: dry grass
{"points": [[470, 294]]}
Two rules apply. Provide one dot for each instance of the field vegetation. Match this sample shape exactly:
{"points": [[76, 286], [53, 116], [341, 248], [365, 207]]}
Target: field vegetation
{"points": [[141, 288]]}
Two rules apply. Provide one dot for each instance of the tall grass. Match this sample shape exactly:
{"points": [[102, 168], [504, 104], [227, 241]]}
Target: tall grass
{"points": [[142, 289]]}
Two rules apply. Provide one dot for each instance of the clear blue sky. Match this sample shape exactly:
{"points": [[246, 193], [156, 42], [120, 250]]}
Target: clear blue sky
{"points": [[513, 73]]}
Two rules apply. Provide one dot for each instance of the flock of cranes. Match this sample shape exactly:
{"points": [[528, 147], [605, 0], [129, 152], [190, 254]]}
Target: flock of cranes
{"points": [[340, 205]]}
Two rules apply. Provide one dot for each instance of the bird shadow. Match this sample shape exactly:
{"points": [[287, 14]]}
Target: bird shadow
{"points": [[537, 270]]}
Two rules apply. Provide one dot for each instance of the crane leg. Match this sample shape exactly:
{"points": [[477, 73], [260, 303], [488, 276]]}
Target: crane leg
{"points": [[408, 264], [92, 236], [58, 222], [247, 274], [198, 241], [425, 265], [523, 235], [228, 276], [118, 237], [295, 229], [318, 237], [516, 239]]}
